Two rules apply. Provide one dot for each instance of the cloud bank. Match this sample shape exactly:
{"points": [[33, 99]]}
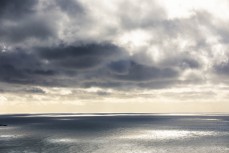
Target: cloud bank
{"points": [[117, 45]]}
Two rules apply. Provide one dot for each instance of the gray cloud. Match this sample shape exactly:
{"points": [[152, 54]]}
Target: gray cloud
{"points": [[19, 66], [26, 29], [72, 7], [103, 65], [222, 68], [183, 62], [138, 72], [41, 65], [67, 44], [14, 9], [136, 16], [34, 90], [21, 89], [21, 21], [81, 57]]}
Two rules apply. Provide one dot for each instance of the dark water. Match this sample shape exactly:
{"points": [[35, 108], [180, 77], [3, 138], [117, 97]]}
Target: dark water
{"points": [[114, 133]]}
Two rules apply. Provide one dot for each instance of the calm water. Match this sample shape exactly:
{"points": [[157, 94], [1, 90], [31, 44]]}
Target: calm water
{"points": [[114, 133]]}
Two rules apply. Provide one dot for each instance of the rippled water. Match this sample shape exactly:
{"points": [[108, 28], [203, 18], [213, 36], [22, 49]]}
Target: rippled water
{"points": [[114, 133]]}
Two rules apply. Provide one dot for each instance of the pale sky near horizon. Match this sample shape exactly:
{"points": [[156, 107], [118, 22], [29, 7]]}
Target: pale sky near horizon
{"points": [[155, 56]]}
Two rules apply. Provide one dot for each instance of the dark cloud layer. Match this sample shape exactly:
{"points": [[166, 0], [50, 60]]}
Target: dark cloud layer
{"points": [[23, 30], [137, 72], [81, 57], [58, 43], [222, 69], [101, 64], [72, 8], [13, 9], [20, 21]]}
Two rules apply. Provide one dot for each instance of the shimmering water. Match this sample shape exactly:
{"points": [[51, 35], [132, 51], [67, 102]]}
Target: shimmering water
{"points": [[114, 133]]}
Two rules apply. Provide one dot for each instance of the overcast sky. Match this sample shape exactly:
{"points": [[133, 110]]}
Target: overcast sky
{"points": [[114, 56]]}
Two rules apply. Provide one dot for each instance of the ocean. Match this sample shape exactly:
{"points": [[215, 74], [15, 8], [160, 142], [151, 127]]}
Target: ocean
{"points": [[114, 133]]}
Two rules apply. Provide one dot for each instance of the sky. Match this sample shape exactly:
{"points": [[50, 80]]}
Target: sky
{"points": [[135, 56]]}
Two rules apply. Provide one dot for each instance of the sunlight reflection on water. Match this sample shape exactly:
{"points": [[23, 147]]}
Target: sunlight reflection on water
{"points": [[167, 134], [62, 140], [10, 136], [114, 134]]}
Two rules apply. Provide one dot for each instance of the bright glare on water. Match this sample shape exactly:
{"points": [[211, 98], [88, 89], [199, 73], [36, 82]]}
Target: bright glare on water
{"points": [[114, 133], [167, 134]]}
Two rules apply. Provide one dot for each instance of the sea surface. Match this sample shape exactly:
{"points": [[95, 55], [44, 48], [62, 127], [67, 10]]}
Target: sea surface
{"points": [[114, 133]]}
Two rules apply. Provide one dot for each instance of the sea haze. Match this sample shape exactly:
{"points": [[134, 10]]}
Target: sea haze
{"points": [[114, 133]]}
